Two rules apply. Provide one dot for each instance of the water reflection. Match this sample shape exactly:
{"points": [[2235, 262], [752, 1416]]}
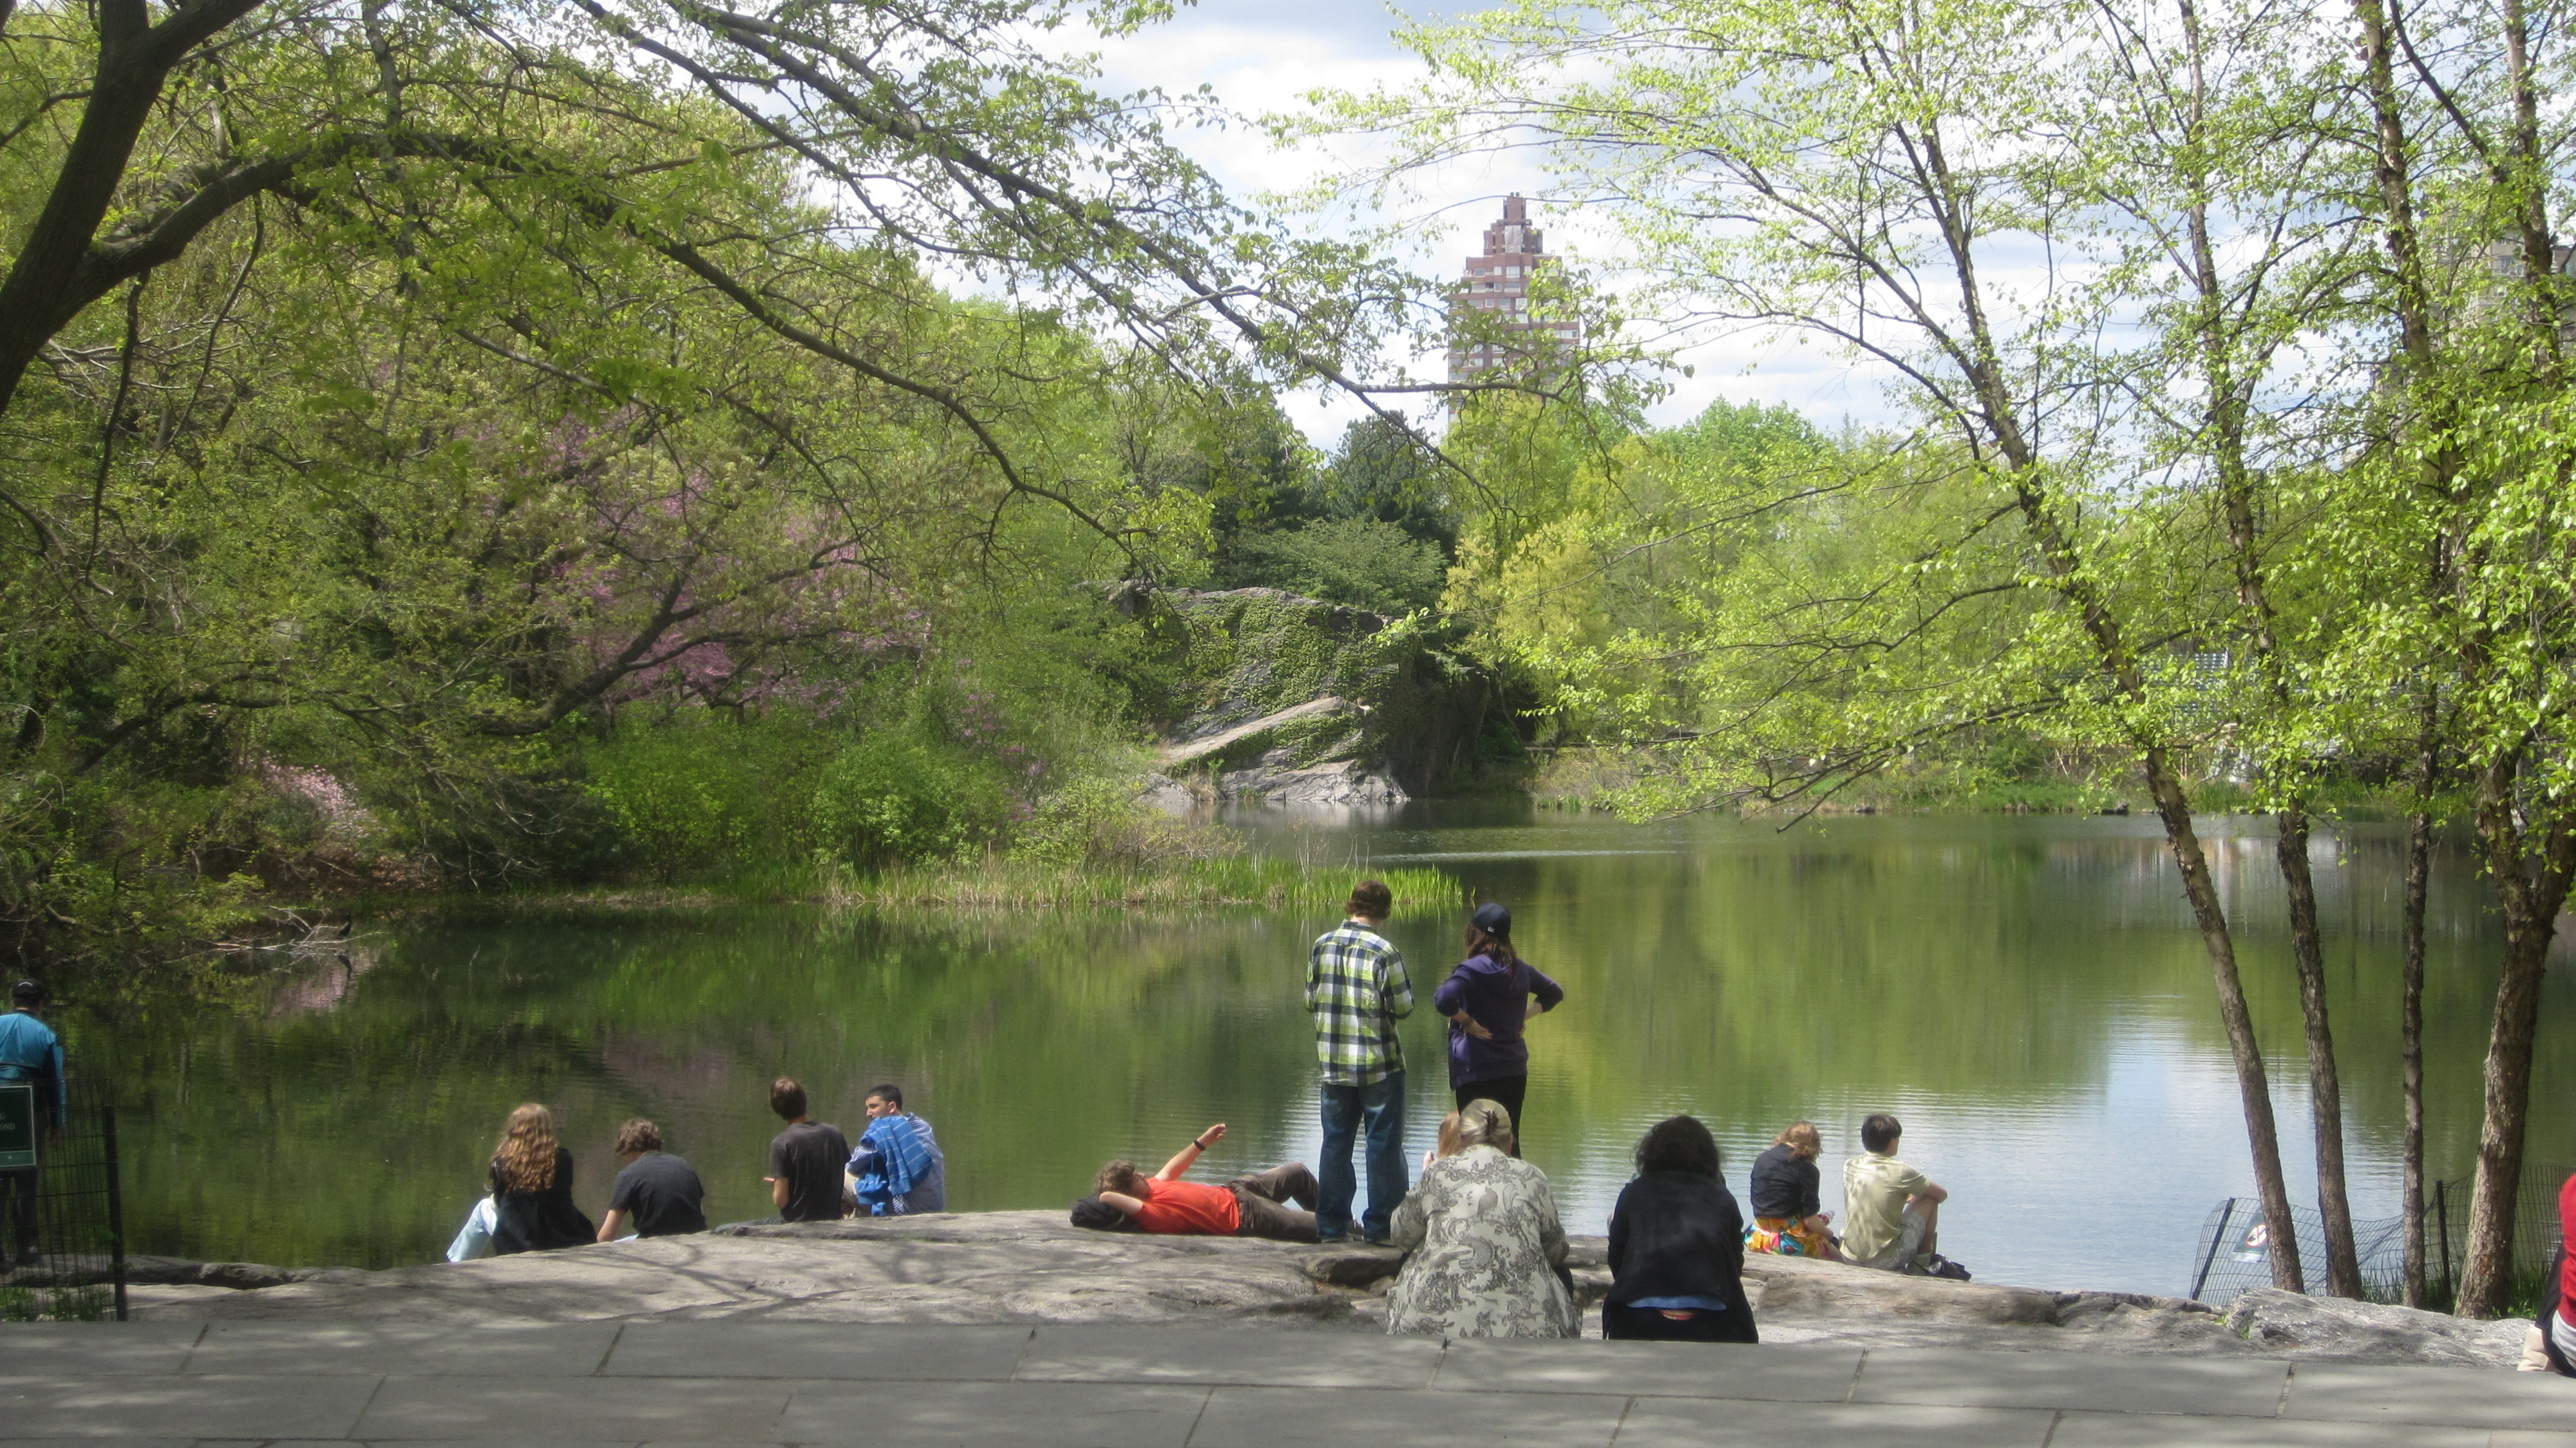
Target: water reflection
{"points": [[2027, 993]]}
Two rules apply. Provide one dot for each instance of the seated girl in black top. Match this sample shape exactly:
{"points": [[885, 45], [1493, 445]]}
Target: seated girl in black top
{"points": [[532, 1205], [1787, 1209], [1677, 1245]]}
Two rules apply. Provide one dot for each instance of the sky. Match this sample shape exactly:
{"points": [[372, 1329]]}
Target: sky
{"points": [[1261, 58]]}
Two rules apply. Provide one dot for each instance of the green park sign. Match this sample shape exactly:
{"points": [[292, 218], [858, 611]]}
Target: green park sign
{"points": [[17, 1127]]}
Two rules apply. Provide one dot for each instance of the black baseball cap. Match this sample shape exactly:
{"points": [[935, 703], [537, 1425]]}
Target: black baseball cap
{"points": [[1492, 919], [27, 993]]}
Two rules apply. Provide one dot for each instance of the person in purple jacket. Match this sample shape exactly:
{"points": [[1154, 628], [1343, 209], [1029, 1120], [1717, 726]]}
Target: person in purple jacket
{"points": [[1489, 999]]}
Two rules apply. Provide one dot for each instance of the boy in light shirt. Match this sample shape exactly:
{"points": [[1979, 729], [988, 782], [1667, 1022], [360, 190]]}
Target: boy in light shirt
{"points": [[1891, 1212]]}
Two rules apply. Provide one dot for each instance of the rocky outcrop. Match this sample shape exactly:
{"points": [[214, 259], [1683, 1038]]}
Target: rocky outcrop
{"points": [[2287, 1324], [1277, 778], [1032, 1267], [1293, 700], [146, 1271]]}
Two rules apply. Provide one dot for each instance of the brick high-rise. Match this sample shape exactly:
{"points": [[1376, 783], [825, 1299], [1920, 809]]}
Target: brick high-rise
{"points": [[1498, 281]]}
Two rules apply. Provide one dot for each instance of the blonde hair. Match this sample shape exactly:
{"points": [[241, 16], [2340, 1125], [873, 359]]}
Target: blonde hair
{"points": [[525, 1159], [1485, 1123], [1450, 1145], [1801, 1137]]}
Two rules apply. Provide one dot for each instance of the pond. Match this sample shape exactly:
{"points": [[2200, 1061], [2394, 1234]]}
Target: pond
{"points": [[2027, 993]]}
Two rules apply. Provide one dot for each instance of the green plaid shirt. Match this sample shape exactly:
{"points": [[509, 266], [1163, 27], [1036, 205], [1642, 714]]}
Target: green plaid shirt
{"points": [[1357, 989]]}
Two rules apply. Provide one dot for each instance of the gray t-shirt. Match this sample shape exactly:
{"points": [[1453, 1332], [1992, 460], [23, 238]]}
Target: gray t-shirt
{"points": [[660, 1193], [808, 1157]]}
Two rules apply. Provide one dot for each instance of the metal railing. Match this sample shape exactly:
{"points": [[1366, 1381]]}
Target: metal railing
{"points": [[62, 1207]]}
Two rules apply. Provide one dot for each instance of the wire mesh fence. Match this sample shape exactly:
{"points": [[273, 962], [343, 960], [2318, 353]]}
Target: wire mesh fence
{"points": [[62, 1209], [2233, 1254], [2535, 1228], [2235, 1251]]}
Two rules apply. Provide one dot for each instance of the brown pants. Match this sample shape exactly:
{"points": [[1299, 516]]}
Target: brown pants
{"points": [[1261, 1197]]}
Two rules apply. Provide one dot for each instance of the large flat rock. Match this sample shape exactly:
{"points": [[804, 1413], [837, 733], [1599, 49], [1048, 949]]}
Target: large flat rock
{"points": [[985, 1267], [1033, 1268]]}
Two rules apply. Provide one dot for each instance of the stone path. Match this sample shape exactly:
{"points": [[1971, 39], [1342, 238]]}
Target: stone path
{"points": [[1094, 1386]]}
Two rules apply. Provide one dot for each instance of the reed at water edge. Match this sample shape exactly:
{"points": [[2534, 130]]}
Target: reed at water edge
{"points": [[1252, 880]]}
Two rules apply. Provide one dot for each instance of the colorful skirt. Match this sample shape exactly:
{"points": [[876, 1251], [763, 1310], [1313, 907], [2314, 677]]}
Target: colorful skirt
{"points": [[1784, 1237]]}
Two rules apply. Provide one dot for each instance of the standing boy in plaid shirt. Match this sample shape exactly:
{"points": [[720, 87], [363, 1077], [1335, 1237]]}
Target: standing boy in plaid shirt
{"points": [[1357, 989]]}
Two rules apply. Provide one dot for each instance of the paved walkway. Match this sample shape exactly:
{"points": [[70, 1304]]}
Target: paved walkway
{"points": [[1160, 1387]]}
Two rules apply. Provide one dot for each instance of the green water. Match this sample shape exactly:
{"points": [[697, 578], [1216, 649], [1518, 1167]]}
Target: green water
{"points": [[2026, 993]]}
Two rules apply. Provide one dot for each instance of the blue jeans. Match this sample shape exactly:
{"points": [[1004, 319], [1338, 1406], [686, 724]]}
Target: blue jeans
{"points": [[1381, 1106]]}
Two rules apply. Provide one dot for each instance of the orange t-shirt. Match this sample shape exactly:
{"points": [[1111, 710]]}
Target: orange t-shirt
{"points": [[1190, 1209]]}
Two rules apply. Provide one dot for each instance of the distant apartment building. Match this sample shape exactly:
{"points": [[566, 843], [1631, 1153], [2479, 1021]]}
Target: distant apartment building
{"points": [[1498, 282]]}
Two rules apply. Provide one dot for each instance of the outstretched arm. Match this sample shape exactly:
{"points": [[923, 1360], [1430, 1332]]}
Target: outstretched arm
{"points": [[1181, 1161]]}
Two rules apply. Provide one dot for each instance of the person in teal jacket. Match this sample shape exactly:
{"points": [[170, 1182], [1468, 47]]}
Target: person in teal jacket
{"points": [[30, 1054]]}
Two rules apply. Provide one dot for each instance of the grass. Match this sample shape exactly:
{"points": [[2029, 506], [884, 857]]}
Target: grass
{"points": [[998, 884], [1257, 880], [88, 1302], [2523, 1301]]}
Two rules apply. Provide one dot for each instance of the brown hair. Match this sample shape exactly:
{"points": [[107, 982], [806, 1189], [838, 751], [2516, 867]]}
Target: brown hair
{"points": [[1372, 899], [1879, 1131], [1450, 1145], [787, 1098], [639, 1135], [1119, 1176], [525, 1159], [1800, 1137], [1489, 931]]}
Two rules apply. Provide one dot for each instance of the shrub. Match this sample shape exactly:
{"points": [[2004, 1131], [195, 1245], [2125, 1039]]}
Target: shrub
{"points": [[1097, 823], [1357, 561], [891, 797], [676, 794]]}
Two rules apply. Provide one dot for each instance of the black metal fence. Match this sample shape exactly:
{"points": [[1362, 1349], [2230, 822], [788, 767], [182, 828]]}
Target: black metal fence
{"points": [[2234, 1250], [62, 1219]]}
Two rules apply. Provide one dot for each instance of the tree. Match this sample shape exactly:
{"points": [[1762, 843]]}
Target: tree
{"points": [[2464, 484], [1873, 166], [2206, 140], [450, 378]]}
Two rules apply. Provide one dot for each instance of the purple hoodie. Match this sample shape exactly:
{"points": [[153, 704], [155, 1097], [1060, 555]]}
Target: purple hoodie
{"points": [[1496, 997]]}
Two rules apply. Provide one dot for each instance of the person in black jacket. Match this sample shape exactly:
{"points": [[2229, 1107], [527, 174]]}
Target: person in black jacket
{"points": [[1788, 1205], [532, 1206], [1677, 1245]]}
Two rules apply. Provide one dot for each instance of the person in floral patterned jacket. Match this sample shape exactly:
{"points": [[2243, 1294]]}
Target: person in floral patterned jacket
{"points": [[1485, 1251]]}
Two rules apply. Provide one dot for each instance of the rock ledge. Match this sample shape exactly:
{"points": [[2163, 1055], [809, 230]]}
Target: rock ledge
{"points": [[1033, 1267]]}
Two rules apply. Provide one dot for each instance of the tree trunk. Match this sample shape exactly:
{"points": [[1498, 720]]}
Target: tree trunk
{"points": [[2410, 1005], [2253, 1082], [2530, 893], [42, 290], [2325, 1090]]}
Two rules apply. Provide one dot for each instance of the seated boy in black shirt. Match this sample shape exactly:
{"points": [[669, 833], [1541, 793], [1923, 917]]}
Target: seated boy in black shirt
{"points": [[659, 1193]]}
